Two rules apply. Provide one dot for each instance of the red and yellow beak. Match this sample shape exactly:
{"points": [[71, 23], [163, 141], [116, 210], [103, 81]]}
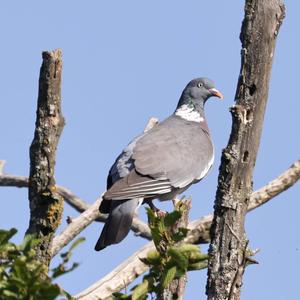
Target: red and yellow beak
{"points": [[216, 93]]}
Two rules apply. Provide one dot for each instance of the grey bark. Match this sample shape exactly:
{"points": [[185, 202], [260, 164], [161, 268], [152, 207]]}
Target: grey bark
{"points": [[46, 204], [228, 239]]}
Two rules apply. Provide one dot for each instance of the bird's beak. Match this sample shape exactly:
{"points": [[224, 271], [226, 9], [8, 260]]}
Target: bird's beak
{"points": [[216, 93]]}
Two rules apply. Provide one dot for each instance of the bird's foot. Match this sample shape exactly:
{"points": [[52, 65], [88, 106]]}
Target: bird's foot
{"points": [[158, 212]]}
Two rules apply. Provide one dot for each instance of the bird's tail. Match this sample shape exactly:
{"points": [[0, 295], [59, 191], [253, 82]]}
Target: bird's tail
{"points": [[118, 222]]}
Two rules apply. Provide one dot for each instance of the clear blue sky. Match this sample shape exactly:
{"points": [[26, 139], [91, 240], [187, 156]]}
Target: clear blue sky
{"points": [[125, 61]]}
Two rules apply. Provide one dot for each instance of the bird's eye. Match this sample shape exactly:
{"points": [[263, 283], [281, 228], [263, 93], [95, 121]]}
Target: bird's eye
{"points": [[200, 84]]}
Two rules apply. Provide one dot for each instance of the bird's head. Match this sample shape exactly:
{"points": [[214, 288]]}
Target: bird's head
{"points": [[198, 91]]}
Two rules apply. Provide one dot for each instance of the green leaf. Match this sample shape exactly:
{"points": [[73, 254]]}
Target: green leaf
{"points": [[50, 292], [6, 235], [10, 294], [141, 290], [180, 273], [19, 270], [161, 225], [76, 243], [179, 259], [29, 242], [153, 258], [198, 266], [151, 215], [198, 257], [180, 234], [156, 235], [21, 275], [62, 267], [167, 276], [171, 218], [188, 248], [62, 270], [119, 296]]}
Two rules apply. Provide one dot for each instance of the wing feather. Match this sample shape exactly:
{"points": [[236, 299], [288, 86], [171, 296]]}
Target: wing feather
{"points": [[180, 153], [173, 154]]}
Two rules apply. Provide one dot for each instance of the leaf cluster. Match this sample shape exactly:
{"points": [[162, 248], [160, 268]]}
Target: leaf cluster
{"points": [[171, 259], [22, 276]]}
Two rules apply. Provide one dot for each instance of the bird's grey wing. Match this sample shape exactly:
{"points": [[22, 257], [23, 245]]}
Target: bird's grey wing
{"points": [[178, 151], [122, 165], [171, 155], [122, 175]]}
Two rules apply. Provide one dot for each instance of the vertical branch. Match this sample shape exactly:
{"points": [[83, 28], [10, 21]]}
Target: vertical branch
{"points": [[228, 239], [46, 205]]}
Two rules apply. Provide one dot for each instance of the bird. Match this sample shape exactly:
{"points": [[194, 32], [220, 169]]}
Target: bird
{"points": [[160, 163]]}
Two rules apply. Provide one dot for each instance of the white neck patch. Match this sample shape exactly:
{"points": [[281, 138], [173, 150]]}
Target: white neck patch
{"points": [[188, 113]]}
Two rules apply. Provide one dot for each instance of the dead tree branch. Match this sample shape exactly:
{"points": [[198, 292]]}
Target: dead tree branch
{"points": [[228, 239], [46, 205], [76, 226], [200, 229], [276, 186], [120, 277]]}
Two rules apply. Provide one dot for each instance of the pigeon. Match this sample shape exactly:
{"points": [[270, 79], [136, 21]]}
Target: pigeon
{"points": [[160, 163]]}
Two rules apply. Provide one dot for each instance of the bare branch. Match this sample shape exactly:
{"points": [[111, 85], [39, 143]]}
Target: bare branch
{"points": [[139, 227], [76, 226], [276, 186], [46, 205], [13, 180], [200, 229], [120, 277], [91, 214]]}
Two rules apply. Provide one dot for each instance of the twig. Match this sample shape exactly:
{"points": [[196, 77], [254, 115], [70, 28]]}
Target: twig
{"points": [[276, 186]]}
